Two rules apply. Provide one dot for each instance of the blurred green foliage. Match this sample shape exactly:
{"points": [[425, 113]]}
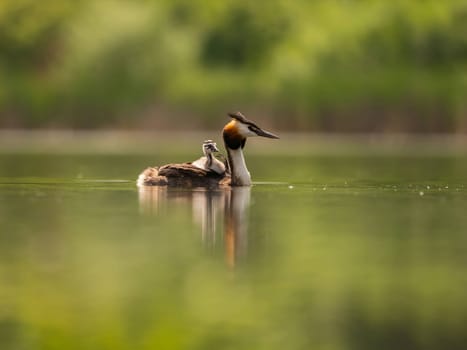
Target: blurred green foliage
{"points": [[355, 65]]}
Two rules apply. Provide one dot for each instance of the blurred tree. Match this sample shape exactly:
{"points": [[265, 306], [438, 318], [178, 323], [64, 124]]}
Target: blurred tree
{"points": [[29, 30], [329, 65], [245, 37]]}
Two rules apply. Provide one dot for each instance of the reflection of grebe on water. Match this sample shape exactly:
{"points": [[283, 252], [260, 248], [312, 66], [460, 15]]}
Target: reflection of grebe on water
{"points": [[221, 213]]}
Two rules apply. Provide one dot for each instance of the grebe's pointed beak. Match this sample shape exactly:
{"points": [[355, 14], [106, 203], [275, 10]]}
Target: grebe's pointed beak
{"points": [[264, 133]]}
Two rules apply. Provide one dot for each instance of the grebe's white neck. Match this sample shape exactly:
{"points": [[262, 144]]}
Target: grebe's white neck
{"points": [[240, 175], [208, 160]]}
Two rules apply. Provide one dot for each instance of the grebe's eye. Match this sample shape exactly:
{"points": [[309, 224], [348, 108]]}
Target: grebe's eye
{"points": [[253, 129]]}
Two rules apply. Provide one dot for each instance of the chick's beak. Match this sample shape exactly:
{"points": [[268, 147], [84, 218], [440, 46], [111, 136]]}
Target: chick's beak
{"points": [[267, 134]]}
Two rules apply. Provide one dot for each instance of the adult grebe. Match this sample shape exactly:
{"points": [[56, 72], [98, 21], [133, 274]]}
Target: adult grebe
{"points": [[208, 161], [234, 134]]}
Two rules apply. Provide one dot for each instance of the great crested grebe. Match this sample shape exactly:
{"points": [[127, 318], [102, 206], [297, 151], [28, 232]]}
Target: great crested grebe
{"points": [[234, 134], [208, 161]]}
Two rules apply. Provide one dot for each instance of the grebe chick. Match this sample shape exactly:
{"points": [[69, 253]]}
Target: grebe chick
{"points": [[234, 134], [209, 161]]}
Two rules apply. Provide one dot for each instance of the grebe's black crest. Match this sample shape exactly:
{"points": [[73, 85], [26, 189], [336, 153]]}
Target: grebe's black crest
{"points": [[241, 118]]}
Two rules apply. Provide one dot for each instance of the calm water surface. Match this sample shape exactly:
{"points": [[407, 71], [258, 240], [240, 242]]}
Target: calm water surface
{"points": [[328, 252]]}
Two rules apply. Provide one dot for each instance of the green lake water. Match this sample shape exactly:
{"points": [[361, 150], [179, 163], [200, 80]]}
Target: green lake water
{"points": [[323, 252]]}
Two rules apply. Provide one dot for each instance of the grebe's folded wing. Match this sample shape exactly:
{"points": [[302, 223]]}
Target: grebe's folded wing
{"points": [[188, 175], [183, 170]]}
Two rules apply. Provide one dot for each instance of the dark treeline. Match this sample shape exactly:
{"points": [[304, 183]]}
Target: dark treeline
{"points": [[354, 65]]}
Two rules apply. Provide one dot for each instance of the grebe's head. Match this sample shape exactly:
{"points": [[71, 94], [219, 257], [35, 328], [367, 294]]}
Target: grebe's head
{"points": [[209, 146], [239, 128]]}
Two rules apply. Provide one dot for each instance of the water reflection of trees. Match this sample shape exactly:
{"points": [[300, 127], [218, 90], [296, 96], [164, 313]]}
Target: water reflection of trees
{"points": [[222, 214]]}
